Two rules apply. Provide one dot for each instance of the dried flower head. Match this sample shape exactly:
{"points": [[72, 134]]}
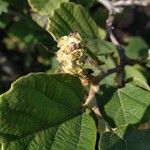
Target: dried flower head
{"points": [[71, 54]]}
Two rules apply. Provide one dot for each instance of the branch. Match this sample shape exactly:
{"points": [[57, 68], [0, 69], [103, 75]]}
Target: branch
{"points": [[95, 80], [111, 7], [121, 51], [115, 7], [121, 3]]}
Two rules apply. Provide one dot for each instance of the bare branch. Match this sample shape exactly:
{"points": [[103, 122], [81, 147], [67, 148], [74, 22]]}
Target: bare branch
{"points": [[121, 3], [111, 35]]}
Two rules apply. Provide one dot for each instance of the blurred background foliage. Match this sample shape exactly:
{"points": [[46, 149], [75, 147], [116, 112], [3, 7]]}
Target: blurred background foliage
{"points": [[26, 47]]}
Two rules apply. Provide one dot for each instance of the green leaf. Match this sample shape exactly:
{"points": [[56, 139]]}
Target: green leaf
{"points": [[111, 79], [125, 138], [70, 17], [39, 101], [133, 72], [3, 6], [138, 78], [136, 47], [128, 105], [26, 30], [100, 47], [76, 134], [45, 7], [141, 83]]}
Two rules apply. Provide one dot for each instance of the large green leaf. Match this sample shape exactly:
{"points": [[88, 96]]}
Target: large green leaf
{"points": [[128, 105], [70, 17], [76, 134], [39, 101], [125, 138], [45, 7]]}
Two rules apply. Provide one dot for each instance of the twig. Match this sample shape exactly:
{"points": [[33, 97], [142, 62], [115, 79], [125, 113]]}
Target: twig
{"points": [[91, 99], [92, 103]]}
